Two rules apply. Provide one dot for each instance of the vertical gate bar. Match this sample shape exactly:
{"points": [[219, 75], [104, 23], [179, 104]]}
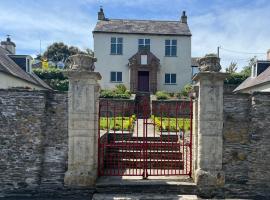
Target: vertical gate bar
{"points": [[191, 126], [178, 137], [114, 134], [161, 136], [122, 107], [169, 135], [183, 107], [107, 116]]}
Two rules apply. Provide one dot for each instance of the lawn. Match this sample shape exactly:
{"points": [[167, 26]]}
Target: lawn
{"points": [[117, 123], [169, 124]]}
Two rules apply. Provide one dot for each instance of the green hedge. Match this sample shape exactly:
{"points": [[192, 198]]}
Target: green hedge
{"points": [[53, 77], [235, 78], [120, 92], [161, 95]]}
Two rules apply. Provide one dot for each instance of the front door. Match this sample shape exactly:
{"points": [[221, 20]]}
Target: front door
{"points": [[143, 81]]}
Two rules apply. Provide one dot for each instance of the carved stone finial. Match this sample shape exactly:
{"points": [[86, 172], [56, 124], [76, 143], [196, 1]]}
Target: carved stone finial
{"points": [[209, 63], [82, 62]]}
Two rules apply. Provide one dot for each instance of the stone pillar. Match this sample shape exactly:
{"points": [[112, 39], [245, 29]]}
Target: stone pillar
{"points": [[208, 174], [83, 107]]}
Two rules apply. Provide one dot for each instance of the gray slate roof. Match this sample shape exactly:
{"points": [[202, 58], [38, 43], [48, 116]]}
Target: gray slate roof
{"points": [[251, 82], [151, 27], [8, 66]]}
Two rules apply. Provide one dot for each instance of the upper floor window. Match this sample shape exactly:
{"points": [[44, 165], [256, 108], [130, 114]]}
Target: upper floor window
{"points": [[144, 44], [116, 46], [170, 47], [170, 78], [116, 76]]}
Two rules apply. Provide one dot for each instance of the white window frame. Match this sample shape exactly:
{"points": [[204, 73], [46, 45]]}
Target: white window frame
{"points": [[170, 75], [170, 47], [116, 81], [144, 39], [116, 43]]}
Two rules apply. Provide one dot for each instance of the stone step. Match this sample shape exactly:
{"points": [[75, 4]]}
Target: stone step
{"points": [[140, 164], [152, 196], [168, 155], [159, 185], [127, 137], [162, 146]]}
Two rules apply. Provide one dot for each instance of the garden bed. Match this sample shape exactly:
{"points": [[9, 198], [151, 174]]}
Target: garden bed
{"points": [[166, 124], [117, 123]]}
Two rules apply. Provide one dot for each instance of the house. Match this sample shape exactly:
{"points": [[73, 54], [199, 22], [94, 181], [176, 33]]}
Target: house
{"points": [[259, 79], [16, 70], [144, 55]]}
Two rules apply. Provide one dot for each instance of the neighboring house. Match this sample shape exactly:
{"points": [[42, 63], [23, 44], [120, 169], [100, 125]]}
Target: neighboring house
{"points": [[145, 55], [16, 70], [194, 66], [259, 79]]}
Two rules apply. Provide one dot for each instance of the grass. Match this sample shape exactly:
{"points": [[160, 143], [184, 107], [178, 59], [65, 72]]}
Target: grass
{"points": [[169, 124], [117, 123]]}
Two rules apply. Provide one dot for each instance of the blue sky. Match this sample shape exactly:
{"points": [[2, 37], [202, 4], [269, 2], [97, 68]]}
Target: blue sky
{"points": [[239, 25]]}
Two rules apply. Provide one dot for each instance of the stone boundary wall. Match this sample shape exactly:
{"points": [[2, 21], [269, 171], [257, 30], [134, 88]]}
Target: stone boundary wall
{"points": [[33, 142], [246, 145], [171, 108]]}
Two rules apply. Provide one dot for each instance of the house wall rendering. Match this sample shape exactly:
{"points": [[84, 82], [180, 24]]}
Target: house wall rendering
{"points": [[7, 81], [107, 63]]}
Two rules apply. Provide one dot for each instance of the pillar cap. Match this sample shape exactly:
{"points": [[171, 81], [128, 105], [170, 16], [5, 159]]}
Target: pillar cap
{"points": [[210, 75], [82, 62]]}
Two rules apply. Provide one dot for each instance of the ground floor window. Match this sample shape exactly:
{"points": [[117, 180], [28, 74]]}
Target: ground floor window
{"points": [[116, 76], [170, 78]]}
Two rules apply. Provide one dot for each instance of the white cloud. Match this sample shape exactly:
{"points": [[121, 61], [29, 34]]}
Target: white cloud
{"points": [[238, 26], [241, 29]]}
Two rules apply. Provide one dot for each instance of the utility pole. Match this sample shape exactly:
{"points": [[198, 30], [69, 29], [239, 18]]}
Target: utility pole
{"points": [[218, 51]]}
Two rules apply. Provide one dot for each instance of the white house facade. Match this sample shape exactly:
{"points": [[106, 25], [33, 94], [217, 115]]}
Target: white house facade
{"points": [[144, 55]]}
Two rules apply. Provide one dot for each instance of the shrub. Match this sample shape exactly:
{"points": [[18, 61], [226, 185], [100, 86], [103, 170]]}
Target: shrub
{"points": [[236, 78], [120, 89], [50, 73], [54, 77], [185, 91], [106, 94], [161, 95], [120, 92]]}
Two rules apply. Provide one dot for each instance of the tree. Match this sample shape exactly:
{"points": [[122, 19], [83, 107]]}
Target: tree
{"points": [[59, 51], [247, 69], [232, 68]]}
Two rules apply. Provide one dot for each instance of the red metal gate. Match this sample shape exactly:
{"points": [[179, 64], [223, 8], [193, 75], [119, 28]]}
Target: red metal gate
{"points": [[133, 142]]}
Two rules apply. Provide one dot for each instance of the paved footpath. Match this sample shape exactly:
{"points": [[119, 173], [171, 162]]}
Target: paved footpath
{"points": [[138, 128]]}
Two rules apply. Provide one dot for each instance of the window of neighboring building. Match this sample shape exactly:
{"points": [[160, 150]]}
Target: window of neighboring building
{"points": [[170, 47], [116, 76], [144, 44], [116, 46], [170, 78]]}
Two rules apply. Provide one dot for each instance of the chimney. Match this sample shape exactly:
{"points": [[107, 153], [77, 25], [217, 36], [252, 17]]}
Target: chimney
{"points": [[101, 15], [268, 55], [9, 45], [184, 17]]}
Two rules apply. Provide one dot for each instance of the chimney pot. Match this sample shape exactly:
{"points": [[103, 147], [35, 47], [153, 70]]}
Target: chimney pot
{"points": [[101, 15], [9, 45], [268, 55], [184, 17]]}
